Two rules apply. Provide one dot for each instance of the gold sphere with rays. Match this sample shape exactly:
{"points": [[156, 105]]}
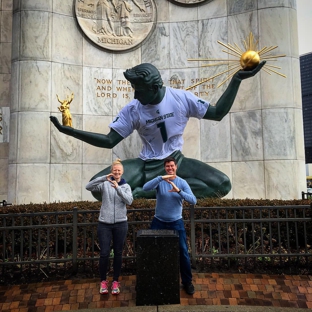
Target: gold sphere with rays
{"points": [[249, 60]]}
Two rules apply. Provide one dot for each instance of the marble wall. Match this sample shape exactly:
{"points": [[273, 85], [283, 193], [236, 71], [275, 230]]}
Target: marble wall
{"points": [[5, 78], [259, 145]]}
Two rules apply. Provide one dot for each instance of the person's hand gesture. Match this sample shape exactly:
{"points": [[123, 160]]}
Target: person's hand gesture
{"points": [[245, 74], [174, 189], [168, 177], [113, 183]]}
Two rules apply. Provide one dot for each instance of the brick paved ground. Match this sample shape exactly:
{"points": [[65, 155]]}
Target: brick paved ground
{"points": [[211, 289]]}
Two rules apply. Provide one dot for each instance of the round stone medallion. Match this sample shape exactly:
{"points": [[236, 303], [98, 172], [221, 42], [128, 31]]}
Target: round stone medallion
{"points": [[116, 25], [190, 1]]}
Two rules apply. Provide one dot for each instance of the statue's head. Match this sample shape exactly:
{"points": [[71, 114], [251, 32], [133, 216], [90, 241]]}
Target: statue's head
{"points": [[146, 81]]}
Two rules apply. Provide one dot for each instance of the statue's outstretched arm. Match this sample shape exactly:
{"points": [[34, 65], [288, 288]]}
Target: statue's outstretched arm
{"points": [[97, 139], [226, 101]]}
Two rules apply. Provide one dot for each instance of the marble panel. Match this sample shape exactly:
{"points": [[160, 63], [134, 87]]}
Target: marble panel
{"points": [[210, 31], [88, 171], [13, 138], [95, 57], [279, 134], [249, 95], [122, 91], [278, 91], [183, 43], [36, 35], [33, 137], [16, 35], [35, 84], [248, 180], [274, 23], [93, 154], [215, 140], [133, 58], [301, 177], [67, 79], [12, 181], [284, 179], [7, 5], [226, 168], [178, 13], [16, 4], [241, 6], [276, 3], [239, 28], [64, 148], [294, 33], [5, 60], [296, 83], [129, 147], [32, 184], [15, 87], [39, 5], [3, 174], [182, 79], [211, 90], [246, 130], [5, 124], [5, 80], [299, 135], [162, 7], [65, 183], [98, 91], [67, 45], [64, 7], [212, 9], [4, 150], [191, 138], [156, 50], [6, 26]]}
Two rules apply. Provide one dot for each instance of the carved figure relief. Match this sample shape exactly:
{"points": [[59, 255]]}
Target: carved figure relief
{"points": [[116, 24], [189, 1]]}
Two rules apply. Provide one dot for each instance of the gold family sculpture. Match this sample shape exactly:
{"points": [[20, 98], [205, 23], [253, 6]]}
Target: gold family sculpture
{"points": [[64, 109], [246, 58]]}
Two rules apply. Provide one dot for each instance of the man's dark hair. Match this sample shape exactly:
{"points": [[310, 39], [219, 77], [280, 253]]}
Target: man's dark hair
{"points": [[168, 159], [144, 73]]}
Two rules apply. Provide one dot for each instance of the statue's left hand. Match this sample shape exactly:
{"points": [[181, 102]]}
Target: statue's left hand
{"points": [[244, 74], [61, 128]]}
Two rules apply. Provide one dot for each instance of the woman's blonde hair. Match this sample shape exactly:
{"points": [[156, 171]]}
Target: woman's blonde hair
{"points": [[116, 162]]}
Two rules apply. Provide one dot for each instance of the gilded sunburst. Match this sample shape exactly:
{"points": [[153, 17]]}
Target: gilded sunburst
{"points": [[245, 59]]}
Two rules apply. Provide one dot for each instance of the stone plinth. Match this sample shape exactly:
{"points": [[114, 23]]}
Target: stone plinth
{"points": [[157, 267]]}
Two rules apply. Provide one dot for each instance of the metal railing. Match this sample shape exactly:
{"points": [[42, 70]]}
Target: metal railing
{"points": [[62, 243]]}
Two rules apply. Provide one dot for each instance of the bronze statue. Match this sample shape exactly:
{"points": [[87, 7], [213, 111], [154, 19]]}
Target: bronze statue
{"points": [[64, 109], [160, 114]]}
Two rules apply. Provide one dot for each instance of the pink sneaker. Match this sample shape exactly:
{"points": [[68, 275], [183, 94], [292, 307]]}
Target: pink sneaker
{"points": [[115, 288], [104, 287]]}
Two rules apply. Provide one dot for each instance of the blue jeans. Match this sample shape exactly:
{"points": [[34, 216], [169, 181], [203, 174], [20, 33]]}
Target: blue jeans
{"points": [[185, 264], [106, 233]]}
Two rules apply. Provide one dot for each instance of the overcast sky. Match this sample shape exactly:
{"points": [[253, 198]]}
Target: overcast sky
{"points": [[304, 11]]}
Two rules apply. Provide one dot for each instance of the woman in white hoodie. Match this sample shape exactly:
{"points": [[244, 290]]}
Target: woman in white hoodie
{"points": [[113, 225]]}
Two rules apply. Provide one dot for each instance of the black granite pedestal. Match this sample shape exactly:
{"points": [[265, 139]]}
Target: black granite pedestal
{"points": [[158, 276]]}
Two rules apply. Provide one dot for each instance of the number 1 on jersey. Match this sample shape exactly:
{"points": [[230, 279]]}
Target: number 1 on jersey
{"points": [[163, 131]]}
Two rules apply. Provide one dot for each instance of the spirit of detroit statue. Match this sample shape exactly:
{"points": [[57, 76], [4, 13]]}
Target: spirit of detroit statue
{"points": [[160, 114]]}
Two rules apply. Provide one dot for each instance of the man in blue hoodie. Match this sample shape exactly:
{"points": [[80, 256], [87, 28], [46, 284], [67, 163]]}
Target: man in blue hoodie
{"points": [[171, 191]]}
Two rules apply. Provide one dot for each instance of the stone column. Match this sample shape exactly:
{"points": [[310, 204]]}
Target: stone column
{"points": [[5, 78]]}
